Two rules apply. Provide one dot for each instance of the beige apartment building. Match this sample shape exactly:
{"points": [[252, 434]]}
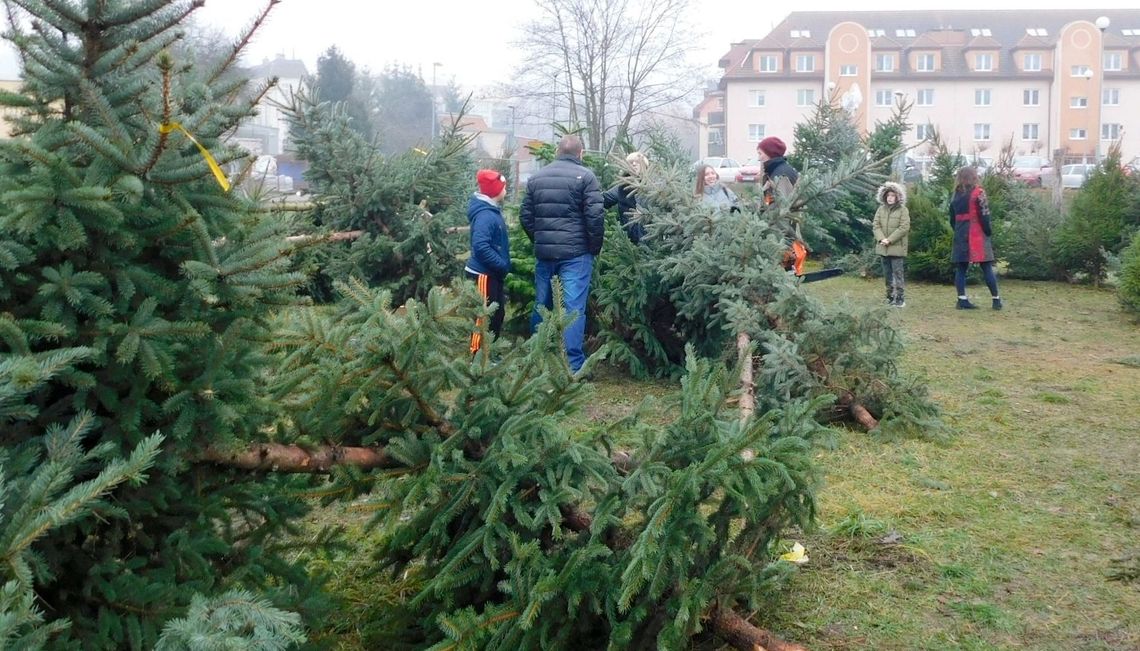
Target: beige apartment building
{"points": [[1043, 79]]}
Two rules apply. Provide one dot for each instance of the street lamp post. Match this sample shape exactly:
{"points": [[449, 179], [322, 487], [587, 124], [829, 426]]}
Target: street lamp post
{"points": [[1102, 24], [513, 159], [434, 117]]}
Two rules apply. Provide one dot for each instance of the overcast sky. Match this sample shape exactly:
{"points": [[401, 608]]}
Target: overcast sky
{"points": [[472, 39]]}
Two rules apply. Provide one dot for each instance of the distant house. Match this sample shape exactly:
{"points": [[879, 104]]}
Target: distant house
{"points": [[1041, 79], [268, 132], [486, 142]]}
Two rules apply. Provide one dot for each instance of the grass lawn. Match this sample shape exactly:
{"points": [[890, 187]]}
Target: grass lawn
{"points": [[1001, 539]]}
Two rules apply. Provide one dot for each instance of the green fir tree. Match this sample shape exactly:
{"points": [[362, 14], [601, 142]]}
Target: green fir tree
{"points": [[135, 295]]}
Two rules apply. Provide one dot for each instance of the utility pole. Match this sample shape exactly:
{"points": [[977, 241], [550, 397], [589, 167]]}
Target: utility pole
{"points": [[434, 116]]}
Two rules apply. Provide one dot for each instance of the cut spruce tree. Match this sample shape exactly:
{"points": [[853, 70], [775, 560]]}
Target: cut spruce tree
{"points": [[135, 293], [521, 532]]}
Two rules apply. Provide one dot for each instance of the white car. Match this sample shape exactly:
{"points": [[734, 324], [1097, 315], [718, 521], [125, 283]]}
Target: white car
{"points": [[1072, 176], [726, 168]]}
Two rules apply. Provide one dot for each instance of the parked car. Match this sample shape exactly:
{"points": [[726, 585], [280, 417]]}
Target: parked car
{"points": [[1072, 176], [750, 172], [726, 168], [1029, 169]]}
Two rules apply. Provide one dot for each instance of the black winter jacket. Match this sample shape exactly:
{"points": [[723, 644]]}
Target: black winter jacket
{"points": [[624, 197], [562, 211]]}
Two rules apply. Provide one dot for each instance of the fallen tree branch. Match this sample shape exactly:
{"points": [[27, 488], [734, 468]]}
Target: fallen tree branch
{"points": [[278, 457], [331, 237], [740, 634]]}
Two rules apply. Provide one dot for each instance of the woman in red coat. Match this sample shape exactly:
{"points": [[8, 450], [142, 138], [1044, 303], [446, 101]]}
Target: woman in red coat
{"points": [[970, 219]]}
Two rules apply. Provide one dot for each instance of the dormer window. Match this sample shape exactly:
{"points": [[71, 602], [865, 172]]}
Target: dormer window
{"points": [[767, 63], [1036, 31], [1032, 62], [1113, 61], [924, 62], [805, 63], [981, 31], [801, 33], [983, 62]]}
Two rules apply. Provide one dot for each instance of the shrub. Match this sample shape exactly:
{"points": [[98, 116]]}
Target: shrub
{"points": [[1128, 288], [1025, 236], [931, 239]]}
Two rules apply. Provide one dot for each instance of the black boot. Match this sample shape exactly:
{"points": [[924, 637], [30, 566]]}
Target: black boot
{"points": [[965, 304], [899, 301], [997, 303]]}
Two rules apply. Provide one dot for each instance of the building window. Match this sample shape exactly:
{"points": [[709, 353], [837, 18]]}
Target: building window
{"points": [[884, 63], [981, 131], [1113, 61], [805, 63], [1031, 63], [884, 98], [767, 63], [1030, 131], [983, 97], [1110, 131], [801, 33], [756, 98], [1130, 32], [925, 97], [924, 131], [904, 33], [1036, 31], [924, 63], [1078, 134], [983, 62], [1080, 71], [848, 70], [755, 132], [1078, 102], [876, 33], [984, 31], [1110, 97], [805, 97], [1031, 97]]}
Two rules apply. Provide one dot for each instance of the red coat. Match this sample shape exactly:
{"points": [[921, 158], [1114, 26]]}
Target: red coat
{"points": [[970, 219]]}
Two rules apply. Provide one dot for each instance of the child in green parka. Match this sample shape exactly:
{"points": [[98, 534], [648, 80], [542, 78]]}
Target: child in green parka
{"points": [[892, 230]]}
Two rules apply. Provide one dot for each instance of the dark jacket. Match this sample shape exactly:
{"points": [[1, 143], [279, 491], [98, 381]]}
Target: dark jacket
{"points": [[779, 178], [562, 211], [490, 245], [970, 219], [622, 196]]}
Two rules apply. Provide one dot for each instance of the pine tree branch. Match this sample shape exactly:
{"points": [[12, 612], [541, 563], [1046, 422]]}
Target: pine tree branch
{"points": [[740, 634], [242, 42]]}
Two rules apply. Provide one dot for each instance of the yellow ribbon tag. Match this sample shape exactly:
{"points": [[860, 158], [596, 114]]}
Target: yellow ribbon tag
{"points": [[798, 555], [214, 167]]}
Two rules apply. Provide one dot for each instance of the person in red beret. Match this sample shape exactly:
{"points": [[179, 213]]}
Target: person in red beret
{"points": [[490, 258], [779, 176]]}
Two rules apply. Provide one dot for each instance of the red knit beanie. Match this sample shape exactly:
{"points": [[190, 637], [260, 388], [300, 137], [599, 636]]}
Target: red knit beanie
{"points": [[491, 182], [772, 147]]}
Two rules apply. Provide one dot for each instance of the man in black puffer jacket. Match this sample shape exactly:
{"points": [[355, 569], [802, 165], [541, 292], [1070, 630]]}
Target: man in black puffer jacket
{"points": [[562, 214]]}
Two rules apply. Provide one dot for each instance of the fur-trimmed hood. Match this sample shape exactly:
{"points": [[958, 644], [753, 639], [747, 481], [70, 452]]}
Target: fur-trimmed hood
{"points": [[899, 189]]}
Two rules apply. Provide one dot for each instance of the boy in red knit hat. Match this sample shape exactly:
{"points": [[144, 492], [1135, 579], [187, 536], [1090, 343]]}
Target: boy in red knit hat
{"points": [[490, 258]]}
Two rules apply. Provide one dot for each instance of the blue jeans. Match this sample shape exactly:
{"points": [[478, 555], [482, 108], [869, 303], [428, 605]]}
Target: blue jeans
{"points": [[987, 273], [575, 276]]}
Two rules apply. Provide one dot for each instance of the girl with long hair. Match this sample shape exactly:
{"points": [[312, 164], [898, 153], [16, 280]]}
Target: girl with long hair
{"points": [[970, 219]]}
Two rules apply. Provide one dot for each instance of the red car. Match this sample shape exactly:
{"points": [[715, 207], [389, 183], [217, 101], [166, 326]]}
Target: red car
{"points": [[750, 172], [1028, 169]]}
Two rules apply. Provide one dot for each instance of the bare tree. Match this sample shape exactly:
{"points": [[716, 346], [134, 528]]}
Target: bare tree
{"points": [[606, 63]]}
